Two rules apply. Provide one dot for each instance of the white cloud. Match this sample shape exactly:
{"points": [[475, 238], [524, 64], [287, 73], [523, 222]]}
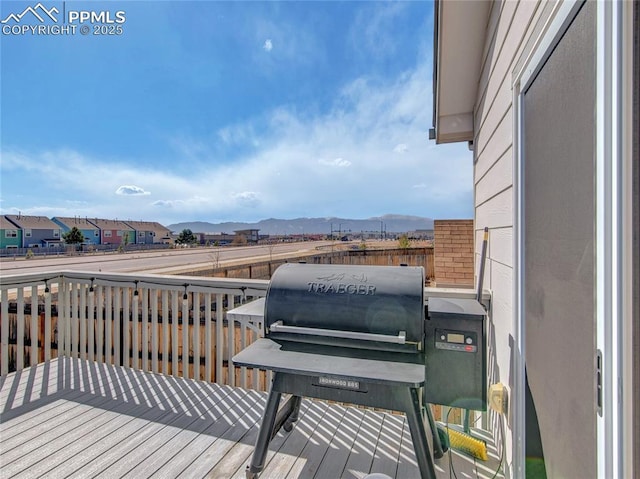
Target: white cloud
{"points": [[248, 199], [338, 163], [131, 190], [401, 148], [268, 45], [420, 185]]}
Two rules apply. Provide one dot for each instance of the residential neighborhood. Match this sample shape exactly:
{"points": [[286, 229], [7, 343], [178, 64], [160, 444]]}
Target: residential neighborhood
{"points": [[23, 231]]}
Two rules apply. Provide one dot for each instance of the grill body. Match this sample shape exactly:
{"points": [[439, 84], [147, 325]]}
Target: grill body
{"points": [[372, 308]]}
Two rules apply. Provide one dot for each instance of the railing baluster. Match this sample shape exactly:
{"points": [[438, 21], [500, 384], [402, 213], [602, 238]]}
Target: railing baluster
{"points": [[91, 324], [100, 324], [33, 333], [116, 325], [243, 344], [145, 329], [20, 330], [207, 337], [47, 326], [174, 333], [154, 330], [68, 346], [165, 331], [74, 319], [231, 343], [219, 337], [126, 327], [196, 335], [60, 325], [135, 331], [185, 337], [4, 339], [108, 330], [255, 371], [83, 321]]}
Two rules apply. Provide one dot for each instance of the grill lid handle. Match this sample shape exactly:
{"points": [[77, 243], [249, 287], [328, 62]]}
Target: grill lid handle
{"points": [[279, 327]]}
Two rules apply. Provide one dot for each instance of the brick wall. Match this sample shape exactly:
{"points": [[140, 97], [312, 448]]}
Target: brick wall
{"points": [[453, 252]]}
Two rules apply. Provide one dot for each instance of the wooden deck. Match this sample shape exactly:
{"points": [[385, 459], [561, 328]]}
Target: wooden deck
{"points": [[75, 418]]}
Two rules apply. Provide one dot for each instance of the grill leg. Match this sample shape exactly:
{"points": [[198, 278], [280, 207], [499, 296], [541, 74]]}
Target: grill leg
{"points": [[438, 450], [292, 415], [264, 436], [419, 435], [287, 415]]}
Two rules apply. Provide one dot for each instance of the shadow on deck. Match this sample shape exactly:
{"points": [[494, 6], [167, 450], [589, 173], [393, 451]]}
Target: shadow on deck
{"points": [[76, 418]]}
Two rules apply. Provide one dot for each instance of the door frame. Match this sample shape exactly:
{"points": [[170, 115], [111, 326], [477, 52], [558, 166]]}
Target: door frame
{"points": [[609, 234]]}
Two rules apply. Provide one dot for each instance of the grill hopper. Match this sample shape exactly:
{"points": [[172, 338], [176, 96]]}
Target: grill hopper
{"points": [[376, 308]]}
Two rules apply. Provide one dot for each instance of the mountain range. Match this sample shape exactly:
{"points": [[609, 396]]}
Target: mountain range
{"points": [[273, 226]]}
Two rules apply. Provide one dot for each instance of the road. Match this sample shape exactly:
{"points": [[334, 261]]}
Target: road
{"points": [[163, 261]]}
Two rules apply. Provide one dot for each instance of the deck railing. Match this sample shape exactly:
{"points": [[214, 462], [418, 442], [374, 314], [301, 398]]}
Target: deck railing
{"points": [[166, 324], [174, 325]]}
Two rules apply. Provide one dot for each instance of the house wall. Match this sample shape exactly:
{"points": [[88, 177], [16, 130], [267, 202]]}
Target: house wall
{"points": [[113, 239], [512, 30], [90, 236], [38, 236], [10, 242]]}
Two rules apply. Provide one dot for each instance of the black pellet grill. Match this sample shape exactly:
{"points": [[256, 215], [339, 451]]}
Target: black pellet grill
{"points": [[363, 335]]}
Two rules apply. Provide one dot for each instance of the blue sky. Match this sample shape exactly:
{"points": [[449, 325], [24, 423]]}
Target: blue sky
{"points": [[225, 111]]}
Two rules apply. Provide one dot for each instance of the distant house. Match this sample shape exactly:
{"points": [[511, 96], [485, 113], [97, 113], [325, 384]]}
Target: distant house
{"points": [[90, 231], [114, 231], [149, 232], [215, 238], [10, 234], [37, 231], [250, 235]]}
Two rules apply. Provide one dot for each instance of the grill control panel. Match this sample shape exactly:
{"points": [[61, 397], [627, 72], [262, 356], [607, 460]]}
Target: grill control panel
{"points": [[455, 353], [463, 341]]}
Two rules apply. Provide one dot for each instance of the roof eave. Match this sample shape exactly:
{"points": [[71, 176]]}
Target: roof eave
{"points": [[459, 35]]}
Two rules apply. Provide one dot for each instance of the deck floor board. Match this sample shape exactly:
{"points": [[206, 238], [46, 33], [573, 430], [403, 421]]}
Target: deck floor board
{"points": [[75, 418]]}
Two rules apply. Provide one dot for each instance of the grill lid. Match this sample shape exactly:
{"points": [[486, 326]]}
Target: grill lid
{"points": [[371, 307]]}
